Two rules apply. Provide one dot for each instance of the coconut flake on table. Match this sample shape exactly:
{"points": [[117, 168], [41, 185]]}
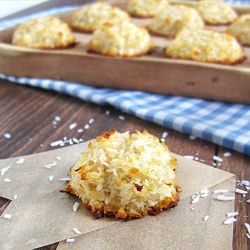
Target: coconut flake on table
{"points": [[7, 135], [248, 227], [192, 137], [76, 206], [195, 199], [219, 191], [70, 141], [202, 160], [51, 164], [189, 157], [51, 178], [7, 180], [80, 140], [72, 125], [56, 143], [121, 117], [70, 240], [7, 216], [57, 118], [248, 201], [65, 179], [58, 158], [216, 158], [239, 191], [232, 214], [54, 122], [214, 164], [107, 112], [76, 230], [206, 218], [245, 183], [196, 158], [75, 140], [192, 208], [86, 126], [227, 154], [3, 170], [80, 130], [229, 221], [15, 196], [162, 140], [20, 161], [91, 121], [225, 198], [248, 235], [164, 134]]}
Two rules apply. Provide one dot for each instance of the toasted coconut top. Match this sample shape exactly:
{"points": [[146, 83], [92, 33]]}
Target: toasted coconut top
{"points": [[173, 19], [124, 172], [240, 29], [216, 12], [205, 46], [148, 8], [43, 32], [121, 39], [91, 17]]}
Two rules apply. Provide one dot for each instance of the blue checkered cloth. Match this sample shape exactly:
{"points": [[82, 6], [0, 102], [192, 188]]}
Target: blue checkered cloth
{"points": [[225, 124]]}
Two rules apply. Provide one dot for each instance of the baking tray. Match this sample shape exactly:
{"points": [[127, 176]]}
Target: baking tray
{"points": [[152, 73]]}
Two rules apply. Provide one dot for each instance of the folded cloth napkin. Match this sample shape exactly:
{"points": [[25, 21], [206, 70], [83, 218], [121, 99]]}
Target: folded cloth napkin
{"points": [[225, 124]]}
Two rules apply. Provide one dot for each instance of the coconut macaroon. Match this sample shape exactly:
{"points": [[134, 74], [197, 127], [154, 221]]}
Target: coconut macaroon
{"points": [[206, 46], [125, 175], [216, 12], [148, 8], [91, 17], [240, 29], [123, 39], [45, 32], [173, 19]]}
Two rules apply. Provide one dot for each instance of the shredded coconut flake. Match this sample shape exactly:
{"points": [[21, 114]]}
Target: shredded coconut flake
{"points": [[51, 178], [107, 112], [248, 227], [76, 230], [91, 121], [80, 130], [248, 236], [86, 126], [70, 141], [192, 208], [229, 221], [64, 179], [56, 143], [248, 201], [189, 157], [232, 214], [121, 117], [20, 161], [162, 140], [206, 218], [239, 191], [75, 140], [216, 158], [76, 206], [80, 140], [196, 199], [192, 137], [7, 135], [70, 240], [3, 170], [72, 125], [58, 158], [51, 164], [224, 198], [245, 183], [7, 216], [15, 196], [220, 191], [7, 180], [227, 154], [164, 134], [57, 118]]}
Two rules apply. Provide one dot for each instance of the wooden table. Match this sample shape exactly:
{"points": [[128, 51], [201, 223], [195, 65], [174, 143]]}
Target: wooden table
{"points": [[27, 114]]}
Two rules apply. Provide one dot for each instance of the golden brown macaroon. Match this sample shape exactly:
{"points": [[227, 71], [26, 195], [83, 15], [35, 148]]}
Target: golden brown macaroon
{"points": [[240, 29], [93, 16], [206, 46], [173, 19], [125, 175], [148, 8], [123, 39], [216, 12], [45, 32]]}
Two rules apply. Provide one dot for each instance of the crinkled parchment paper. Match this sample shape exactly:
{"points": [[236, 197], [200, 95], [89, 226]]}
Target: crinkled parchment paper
{"points": [[41, 215]]}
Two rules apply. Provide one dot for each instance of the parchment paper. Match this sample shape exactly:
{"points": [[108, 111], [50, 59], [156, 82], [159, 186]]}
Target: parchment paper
{"points": [[41, 215]]}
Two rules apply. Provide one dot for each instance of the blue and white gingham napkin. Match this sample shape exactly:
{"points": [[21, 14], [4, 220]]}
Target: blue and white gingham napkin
{"points": [[225, 124]]}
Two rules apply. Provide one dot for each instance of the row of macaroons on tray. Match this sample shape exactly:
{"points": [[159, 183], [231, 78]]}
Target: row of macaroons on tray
{"points": [[115, 35]]}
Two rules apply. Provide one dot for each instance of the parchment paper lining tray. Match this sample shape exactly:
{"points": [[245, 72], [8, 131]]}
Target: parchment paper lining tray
{"points": [[152, 73], [41, 215]]}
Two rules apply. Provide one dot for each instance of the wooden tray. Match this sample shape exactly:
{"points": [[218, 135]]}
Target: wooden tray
{"points": [[153, 73]]}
